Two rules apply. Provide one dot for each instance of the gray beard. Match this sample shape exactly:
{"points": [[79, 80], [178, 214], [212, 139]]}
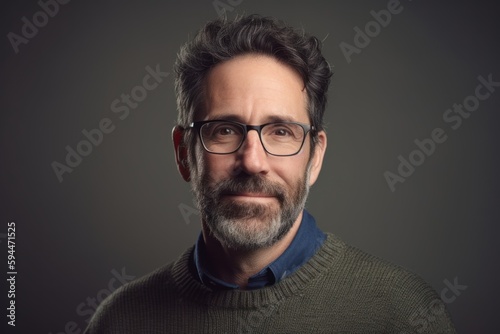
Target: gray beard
{"points": [[249, 226]]}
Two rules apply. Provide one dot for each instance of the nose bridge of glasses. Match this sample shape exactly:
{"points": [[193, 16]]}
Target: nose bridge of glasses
{"points": [[248, 128], [253, 127]]}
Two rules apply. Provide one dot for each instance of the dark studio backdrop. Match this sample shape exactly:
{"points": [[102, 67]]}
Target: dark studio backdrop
{"points": [[408, 176]]}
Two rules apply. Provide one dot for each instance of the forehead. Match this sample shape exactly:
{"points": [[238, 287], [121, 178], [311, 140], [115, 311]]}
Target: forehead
{"points": [[256, 89]]}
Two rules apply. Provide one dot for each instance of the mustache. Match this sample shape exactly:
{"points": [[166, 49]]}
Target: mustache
{"points": [[248, 184]]}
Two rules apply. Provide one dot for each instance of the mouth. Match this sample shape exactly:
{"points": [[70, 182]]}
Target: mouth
{"points": [[248, 196]]}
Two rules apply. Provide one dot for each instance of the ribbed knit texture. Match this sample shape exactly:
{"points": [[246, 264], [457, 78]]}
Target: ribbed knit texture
{"points": [[340, 290]]}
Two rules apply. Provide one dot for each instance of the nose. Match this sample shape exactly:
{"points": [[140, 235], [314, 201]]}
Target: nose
{"points": [[251, 157]]}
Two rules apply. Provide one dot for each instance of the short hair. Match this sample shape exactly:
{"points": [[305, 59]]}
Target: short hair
{"points": [[220, 40]]}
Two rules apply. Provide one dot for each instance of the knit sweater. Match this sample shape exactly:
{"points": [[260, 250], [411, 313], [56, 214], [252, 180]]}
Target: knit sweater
{"points": [[339, 290]]}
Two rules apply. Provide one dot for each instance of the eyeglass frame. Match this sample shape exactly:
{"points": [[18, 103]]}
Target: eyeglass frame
{"points": [[305, 127]]}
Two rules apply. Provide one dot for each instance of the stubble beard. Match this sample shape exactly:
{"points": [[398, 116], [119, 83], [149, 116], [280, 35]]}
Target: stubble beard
{"points": [[249, 225]]}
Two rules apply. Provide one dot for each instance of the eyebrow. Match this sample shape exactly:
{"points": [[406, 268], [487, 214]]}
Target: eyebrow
{"points": [[237, 118]]}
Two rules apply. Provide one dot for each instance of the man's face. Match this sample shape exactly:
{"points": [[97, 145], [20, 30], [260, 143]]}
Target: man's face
{"points": [[250, 199]]}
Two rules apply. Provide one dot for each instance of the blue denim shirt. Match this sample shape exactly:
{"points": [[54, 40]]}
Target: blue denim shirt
{"points": [[305, 243]]}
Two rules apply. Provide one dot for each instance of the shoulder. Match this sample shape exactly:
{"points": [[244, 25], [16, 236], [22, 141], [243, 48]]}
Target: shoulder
{"points": [[136, 300], [142, 287], [373, 272], [388, 290]]}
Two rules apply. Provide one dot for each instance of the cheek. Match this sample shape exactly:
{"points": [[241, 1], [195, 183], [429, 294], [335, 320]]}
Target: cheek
{"points": [[196, 162], [293, 170], [218, 166]]}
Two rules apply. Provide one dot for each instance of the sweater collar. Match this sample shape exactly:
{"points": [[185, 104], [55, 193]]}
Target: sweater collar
{"points": [[189, 288], [306, 242]]}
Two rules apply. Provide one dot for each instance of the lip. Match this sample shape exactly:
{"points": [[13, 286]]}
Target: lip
{"points": [[249, 195]]}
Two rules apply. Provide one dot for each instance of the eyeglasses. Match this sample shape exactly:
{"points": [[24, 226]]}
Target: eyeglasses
{"points": [[226, 137]]}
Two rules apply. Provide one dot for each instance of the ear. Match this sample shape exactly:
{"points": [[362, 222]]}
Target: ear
{"points": [[317, 158], [181, 153]]}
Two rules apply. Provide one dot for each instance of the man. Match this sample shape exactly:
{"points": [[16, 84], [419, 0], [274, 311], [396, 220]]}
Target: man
{"points": [[251, 95]]}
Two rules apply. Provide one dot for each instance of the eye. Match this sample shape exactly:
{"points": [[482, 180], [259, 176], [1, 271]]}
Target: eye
{"points": [[221, 131], [281, 132], [224, 131]]}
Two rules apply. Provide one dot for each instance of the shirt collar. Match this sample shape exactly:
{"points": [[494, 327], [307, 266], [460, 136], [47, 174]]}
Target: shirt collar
{"points": [[304, 245]]}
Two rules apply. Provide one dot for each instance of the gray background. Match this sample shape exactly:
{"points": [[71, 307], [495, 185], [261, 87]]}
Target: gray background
{"points": [[120, 207]]}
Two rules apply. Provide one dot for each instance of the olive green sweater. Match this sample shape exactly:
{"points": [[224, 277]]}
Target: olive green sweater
{"points": [[339, 290]]}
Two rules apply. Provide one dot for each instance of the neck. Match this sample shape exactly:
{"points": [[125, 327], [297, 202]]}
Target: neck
{"points": [[237, 266]]}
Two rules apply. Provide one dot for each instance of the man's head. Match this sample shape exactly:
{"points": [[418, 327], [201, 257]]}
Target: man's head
{"points": [[251, 71]]}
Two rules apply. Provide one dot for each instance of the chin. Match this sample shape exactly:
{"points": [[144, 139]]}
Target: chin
{"points": [[250, 234]]}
